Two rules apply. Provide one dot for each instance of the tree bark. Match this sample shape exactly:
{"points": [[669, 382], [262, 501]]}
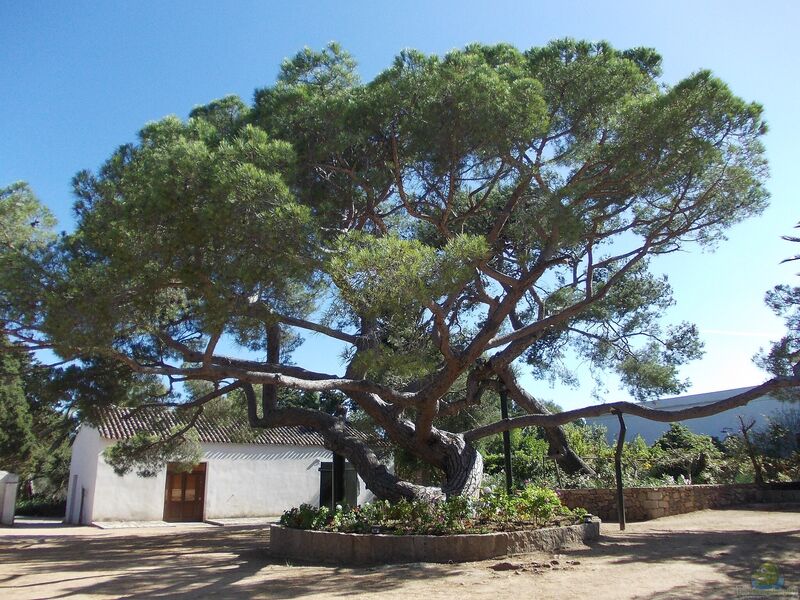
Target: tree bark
{"points": [[565, 456], [463, 466], [461, 463], [345, 441], [376, 475]]}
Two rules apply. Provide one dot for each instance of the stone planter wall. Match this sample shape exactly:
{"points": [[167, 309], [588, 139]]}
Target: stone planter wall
{"points": [[642, 504], [366, 549]]}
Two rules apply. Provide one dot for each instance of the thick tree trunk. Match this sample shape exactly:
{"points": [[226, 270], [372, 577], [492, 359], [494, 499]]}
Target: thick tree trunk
{"points": [[461, 462], [463, 467], [376, 475], [385, 484]]}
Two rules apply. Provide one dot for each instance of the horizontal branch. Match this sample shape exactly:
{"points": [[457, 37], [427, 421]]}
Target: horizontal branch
{"points": [[652, 414], [318, 385], [268, 374], [264, 312], [197, 402], [195, 356]]}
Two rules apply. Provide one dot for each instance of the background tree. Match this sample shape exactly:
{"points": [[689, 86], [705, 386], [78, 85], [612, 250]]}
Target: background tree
{"points": [[448, 222], [30, 439], [783, 358], [779, 445], [16, 425], [744, 430], [687, 454], [42, 406]]}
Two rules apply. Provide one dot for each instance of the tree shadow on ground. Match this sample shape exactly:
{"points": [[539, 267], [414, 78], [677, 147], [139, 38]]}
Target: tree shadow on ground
{"points": [[185, 565], [733, 553], [713, 590], [789, 507], [735, 547], [234, 562]]}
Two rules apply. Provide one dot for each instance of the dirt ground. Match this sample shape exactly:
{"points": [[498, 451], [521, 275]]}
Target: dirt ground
{"points": [[707, 554]]}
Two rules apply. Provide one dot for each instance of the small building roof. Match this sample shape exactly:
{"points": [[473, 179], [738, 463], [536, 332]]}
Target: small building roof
{"points": [[719, 425], [692, 400], [123, 423]]}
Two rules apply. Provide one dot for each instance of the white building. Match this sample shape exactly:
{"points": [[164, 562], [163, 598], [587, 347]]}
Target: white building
{"points": [[719, 425], [274, 470]]}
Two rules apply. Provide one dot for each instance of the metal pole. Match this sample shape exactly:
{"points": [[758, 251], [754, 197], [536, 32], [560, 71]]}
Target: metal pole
{"points": [[83, 499], [506, 440], [618, 472], [558, 472], [337, 480]]}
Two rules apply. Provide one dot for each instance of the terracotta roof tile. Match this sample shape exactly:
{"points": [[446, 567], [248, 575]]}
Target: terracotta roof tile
{"points": [[122, 423]]}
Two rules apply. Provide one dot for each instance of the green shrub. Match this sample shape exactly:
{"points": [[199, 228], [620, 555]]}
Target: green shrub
{"points": [[679, 452], [679, 457], [538, 504], [40, 507], [530, 506]]}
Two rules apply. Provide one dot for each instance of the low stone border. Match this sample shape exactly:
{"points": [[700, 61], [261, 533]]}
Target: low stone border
{"points": [[643, 504], [369, 549]]}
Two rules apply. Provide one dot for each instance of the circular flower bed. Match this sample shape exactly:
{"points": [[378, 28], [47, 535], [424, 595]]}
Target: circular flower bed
{"points": [[529, 508]]}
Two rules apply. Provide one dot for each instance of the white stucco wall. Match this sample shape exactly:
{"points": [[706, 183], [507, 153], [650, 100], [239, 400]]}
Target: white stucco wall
{"points": [[82, 471], [257, 480], [8, 496], [364, 495], [242, 480], [106, 495], [127, 498]]}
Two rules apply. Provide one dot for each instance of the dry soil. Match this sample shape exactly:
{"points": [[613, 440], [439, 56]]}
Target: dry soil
{"points": [[707, 554]]}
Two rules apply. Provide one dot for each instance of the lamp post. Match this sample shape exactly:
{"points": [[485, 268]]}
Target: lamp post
{"points": [[506, 439], [618, 471]]}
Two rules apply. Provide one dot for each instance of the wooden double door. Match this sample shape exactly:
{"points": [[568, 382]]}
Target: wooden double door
{"points": [[185, 494]]}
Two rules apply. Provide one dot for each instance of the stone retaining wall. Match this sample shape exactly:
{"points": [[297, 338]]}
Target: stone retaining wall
{"points": [[642, 504], [368, 549]]}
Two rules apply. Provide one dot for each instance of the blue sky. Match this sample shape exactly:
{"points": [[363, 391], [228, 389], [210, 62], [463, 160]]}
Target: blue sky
{"points": [[80, 78]]}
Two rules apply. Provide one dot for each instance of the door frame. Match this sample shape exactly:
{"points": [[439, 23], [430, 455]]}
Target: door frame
{"points": [[198, 469]]}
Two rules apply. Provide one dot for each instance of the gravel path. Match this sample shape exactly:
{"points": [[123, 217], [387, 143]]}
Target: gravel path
{"points": [[702, 555]]}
